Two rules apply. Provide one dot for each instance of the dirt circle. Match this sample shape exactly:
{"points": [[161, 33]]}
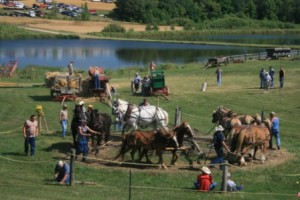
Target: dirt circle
{"points": [[106, 158]]}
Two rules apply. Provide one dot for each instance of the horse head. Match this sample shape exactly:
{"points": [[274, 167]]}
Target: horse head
{"points": [[182, 130]]}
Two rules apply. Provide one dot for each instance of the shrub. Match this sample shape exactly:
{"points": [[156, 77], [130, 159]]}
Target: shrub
{"points": [[114, 28]]}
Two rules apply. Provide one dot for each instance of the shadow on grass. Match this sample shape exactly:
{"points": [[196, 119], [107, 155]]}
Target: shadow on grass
{"points": [[61, 147], [13, 154], [41, 98]]}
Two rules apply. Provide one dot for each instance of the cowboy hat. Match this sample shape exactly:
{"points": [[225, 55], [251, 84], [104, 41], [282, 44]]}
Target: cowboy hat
{"points": [[272, 113], [219, 128], [206, 170], [65, 106], [90, 106], [81, 103]]}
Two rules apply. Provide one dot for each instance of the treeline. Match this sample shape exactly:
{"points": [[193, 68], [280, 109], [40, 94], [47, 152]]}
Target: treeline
{"points": [[194, 12]]}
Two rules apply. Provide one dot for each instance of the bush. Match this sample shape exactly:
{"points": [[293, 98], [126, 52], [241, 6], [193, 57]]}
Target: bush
{"points": [[114, 28]]}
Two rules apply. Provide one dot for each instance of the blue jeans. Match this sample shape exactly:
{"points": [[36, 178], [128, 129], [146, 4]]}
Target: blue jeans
{"points": [[29, 141], [64, 124], [277, 137], [212, 186], [97, 81], [219, 80], [220, 157]]}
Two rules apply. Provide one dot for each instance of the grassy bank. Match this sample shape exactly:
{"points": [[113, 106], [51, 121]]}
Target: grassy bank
{"points": [[23, 177]]}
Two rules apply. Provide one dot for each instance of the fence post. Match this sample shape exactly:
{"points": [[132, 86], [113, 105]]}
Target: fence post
{"points": [[177, 116], [72, 166], [224, 177]]}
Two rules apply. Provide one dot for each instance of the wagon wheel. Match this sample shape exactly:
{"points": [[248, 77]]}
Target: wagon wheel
{"points": [[194, 152]]}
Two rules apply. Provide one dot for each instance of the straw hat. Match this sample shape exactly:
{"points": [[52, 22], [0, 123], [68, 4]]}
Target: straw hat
{"points": [[206, 170], [90, 106], [219, 128], [272, 113], [65, 106]]}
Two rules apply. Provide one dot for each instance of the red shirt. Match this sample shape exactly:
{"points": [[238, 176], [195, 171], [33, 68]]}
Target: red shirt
{"points": [[204, 181]]}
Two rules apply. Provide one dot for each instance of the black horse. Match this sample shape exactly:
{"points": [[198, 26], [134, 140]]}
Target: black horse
{"points": [[78, 115], [100, 122]]}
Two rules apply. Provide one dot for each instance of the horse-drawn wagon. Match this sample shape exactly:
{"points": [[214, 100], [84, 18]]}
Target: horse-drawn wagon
{"points": [[158, 83], [63, 86], [217, 61]]}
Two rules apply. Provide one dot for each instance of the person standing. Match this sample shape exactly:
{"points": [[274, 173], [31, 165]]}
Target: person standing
{"points": [[204, 181], [281, 76], [267, 82], [136, 81], [30, 131], [152, 66], [71, 68], [63, 119], [146, 83], [62, 172], [219, 143], [262, 78], [272, 73], [82, 146], [96, 78], [274, 131], [219, 76]]}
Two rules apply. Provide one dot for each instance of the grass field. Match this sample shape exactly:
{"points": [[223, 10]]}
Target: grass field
{"points": [[23, 177]]}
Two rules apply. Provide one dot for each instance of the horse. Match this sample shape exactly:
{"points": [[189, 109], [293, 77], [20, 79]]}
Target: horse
{"points": [[248, 137], [155, 140], [140, 116], [100, 122], [78, 115], [225, 118]]}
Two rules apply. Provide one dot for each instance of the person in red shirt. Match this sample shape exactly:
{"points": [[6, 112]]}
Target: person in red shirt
{"points": [[204, 181]]}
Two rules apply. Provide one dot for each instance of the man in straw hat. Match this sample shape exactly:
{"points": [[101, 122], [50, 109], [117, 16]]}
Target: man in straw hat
{"points": [[204, 180], [63, 120], [219, 143]]}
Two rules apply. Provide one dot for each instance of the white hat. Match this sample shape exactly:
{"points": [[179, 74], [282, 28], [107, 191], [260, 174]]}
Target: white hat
{"points": [[228, 175], [60, 163], [219, 128], [81, 103], [206, 170]]}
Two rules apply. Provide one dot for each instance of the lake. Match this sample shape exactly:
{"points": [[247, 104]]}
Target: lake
{"points": [[113, 54]]}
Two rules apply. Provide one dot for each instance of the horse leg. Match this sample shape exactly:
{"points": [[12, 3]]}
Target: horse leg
{"points": [[160, 160], [174, 157], [242, 161], [98, 144], [263, 153]]}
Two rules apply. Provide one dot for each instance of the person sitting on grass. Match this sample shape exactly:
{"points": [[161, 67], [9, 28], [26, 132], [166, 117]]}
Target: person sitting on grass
{"points": [[204, 181], [231, 185]]}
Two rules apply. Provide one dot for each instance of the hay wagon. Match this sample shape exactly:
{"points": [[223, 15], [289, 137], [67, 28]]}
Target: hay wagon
{"points": [[158, 83], [63, 86]]}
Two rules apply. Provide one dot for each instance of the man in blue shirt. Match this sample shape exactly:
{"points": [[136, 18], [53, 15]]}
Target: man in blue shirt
{"points": [[219, 143], [274, 130], [62, 172]]}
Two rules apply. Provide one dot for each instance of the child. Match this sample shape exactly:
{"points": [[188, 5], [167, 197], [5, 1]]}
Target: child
{"points": [[204, 180]]}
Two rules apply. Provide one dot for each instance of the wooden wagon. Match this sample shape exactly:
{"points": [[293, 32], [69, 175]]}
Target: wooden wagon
{"points": [[158, 83], [104, 90], [216, 62], [275, 53]]}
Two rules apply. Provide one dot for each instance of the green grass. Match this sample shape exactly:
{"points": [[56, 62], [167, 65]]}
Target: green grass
{"points": [[26, 178]]}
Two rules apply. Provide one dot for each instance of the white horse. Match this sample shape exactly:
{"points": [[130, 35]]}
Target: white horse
{"points": [[133, 116]]}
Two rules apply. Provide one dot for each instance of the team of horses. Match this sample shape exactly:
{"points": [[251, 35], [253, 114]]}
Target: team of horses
{"points": [[244, 133], [135, 119]]}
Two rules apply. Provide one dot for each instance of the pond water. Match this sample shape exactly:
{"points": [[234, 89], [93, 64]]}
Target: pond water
{"points": [[115, 53]]}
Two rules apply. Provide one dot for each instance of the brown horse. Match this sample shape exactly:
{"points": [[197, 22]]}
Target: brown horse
{"points": [[249, 137], [225, 117], [155, 140]]}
